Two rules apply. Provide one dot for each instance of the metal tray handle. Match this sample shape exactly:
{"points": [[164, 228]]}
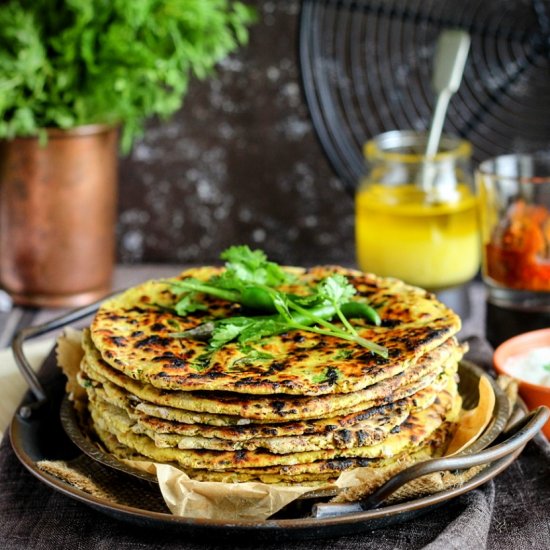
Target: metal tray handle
{"points": [[28, 333], [516, 437]]}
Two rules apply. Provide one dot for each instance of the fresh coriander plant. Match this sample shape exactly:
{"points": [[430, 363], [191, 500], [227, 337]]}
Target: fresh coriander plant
{"points": [[65, 63], [253, 281]]}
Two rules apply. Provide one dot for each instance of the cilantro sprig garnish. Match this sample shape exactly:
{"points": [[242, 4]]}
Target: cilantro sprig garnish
{"points": [[252, 280]]}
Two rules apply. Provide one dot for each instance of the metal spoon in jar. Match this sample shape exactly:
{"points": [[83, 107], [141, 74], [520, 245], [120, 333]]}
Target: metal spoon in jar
{"points": [[450, 59]]}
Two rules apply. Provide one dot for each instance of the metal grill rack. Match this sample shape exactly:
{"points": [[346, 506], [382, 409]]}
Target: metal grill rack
{"points": [[366, 69]]}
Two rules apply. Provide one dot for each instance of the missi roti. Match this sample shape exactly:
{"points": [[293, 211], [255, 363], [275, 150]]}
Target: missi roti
{"points": [[411, 434], [319, 472], [369, 422], [363, 433], [277, 407], [133, 334], [361, 408]]}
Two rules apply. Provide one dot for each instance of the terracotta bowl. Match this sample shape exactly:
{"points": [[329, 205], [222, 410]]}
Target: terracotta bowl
{"points": [[534, 395]]}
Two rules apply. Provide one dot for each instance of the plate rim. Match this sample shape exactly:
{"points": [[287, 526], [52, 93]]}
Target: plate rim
{"points": [[269, 524]]}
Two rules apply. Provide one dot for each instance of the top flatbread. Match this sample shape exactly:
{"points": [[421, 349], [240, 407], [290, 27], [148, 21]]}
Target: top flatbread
{"points": [[279, 407], [132, 333]]}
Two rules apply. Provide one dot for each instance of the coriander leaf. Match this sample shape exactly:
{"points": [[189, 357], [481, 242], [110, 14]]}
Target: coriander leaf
{"points": [[249, 329], [248, 278], [252, 266], [227, 330], [281, 304], [188, 304], [243, 254], [307, 300], [227, 280], [262, 328], [336, 289], [547, 367], [224, 334]]}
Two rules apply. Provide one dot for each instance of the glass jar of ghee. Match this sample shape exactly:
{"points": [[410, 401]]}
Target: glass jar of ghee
{"points": [[415, 220]]}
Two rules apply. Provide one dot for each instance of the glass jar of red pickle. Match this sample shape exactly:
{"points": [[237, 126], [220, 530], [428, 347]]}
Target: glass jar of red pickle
{"points": [[514, 193]]}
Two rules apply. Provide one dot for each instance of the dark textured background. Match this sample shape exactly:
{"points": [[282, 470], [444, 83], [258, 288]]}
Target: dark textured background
{"points": [[239, 163]]}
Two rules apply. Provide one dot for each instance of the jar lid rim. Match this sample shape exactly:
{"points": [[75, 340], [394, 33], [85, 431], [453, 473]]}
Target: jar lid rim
{"points": [[374, 148]]}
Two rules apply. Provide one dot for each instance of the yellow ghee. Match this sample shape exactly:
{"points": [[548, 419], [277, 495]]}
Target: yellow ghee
{"points": [[400, 234]]}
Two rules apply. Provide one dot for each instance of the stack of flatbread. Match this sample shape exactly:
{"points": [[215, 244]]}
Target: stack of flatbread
{"points": [[298, 407]]}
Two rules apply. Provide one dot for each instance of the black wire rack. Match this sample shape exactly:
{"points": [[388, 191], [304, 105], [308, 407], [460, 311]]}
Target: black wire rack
{"points": [[366, 68]]}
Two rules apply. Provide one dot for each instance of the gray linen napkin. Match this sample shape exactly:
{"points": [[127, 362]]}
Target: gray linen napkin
{"points": [[509, 513]]}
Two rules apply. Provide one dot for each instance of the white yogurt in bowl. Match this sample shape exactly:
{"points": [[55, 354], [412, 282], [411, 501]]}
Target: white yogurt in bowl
{"points": [[532, 366]]}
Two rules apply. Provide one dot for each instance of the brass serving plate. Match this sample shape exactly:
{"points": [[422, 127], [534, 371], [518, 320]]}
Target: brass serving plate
{"points": [[42, 437]]}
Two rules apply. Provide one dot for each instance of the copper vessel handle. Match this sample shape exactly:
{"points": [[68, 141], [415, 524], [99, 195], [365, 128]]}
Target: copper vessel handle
{"points": [[516, 437], [28, 333]]}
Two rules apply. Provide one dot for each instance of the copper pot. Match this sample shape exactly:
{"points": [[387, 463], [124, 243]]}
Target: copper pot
{"points": [[57, 216]]}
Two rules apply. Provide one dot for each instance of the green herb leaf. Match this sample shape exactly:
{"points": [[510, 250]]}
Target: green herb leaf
{"points": [[261, 328], [227, 330], [250, 279], [336, 289], [64, 64], [252, 266], [189, 304], [281, 303], [547, 367]]}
